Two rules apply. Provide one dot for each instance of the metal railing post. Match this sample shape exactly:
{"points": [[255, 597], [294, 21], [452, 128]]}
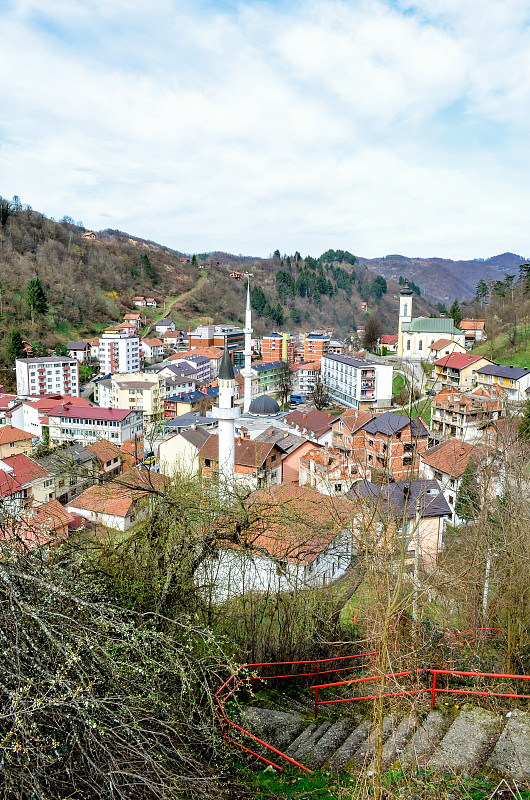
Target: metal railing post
{"points": [[433, 690], [317, 670]]}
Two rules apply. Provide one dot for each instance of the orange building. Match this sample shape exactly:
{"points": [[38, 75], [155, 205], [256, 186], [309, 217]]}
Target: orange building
{"points": [[316, 345], [278, 347]]}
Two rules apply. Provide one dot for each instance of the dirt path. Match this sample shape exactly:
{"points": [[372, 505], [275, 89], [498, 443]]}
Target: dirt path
{"points": [[167, 309]]}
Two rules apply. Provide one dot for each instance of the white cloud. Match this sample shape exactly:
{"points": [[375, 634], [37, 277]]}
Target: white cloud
{"points": [[322, 124]]}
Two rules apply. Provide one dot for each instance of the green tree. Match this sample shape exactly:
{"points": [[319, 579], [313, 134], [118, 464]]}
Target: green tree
{"points": [[456, 313], [482, 292], [61, 350], [467, 504], [6, 211], [276, 255], [258, 299], [14, 346], [524, 276], [524, 424], [36, 297], [194, 260], [39, 350], [295, 315], [148, 269]]}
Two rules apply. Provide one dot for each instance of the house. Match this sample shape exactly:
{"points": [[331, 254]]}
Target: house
{"points": [[152, 350], [134, 318], [515, 381], [444, 347], [337, 348], [150, 302], [39, 526], [37, 376], [139, 302], [213, 354], [128, 328], [79, 350], [178, 340], [76, 423], [185, 402], [180, 453], [474, 330], [36, 483], [316, 345], [109, 459], [459, 370], [71, 469], [304, 376], [31, 415], [314, 425], [7, 401], [344, 429], [294, 537], [14, 441], [119, 504], [94, 347], [164, 325], [293, 448], [257, 464], [330, 471], [236, 275], [416, 335], [199, 363], [446, 464], [184, 422], [401, 517], [88, 235], [356, 382], [455, 414], [387, 343]]}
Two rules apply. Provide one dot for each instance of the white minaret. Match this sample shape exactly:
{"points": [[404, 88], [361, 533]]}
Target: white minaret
{"points": [[226, 412], [247, 372]]}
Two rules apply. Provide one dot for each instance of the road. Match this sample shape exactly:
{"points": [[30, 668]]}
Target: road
{"points": [[171, 306]]}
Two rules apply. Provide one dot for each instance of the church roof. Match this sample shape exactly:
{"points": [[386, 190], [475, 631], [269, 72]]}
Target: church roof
{"points": [[431, 325]]}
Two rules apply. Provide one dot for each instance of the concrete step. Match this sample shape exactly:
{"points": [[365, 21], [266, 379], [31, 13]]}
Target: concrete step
{"points": [[301, 739], [423, 743], [343, 755], [333, 738], [277, 728], [306, 746], [468, 742], [511, 755], [393, 749], [364, 753]]}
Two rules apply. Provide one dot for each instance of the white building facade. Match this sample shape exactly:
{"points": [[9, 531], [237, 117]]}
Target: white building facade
{"points": [[119, 352], [356, 382], [48, 375]]}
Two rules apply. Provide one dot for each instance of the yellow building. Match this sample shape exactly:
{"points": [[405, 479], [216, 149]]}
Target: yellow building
{"points": [[133, 391], [14, 441], [459, 370]]}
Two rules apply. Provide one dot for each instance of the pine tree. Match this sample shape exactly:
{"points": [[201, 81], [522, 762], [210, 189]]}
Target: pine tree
{"points": [[456, 313], [36, 298], [467, 503], [482, 292], [14, 346]]}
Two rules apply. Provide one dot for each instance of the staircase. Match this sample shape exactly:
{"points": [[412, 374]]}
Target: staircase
{"points": [[467, 740]]}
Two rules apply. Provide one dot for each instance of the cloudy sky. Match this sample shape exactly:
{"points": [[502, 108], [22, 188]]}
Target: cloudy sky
{"points": [[372, 126]]}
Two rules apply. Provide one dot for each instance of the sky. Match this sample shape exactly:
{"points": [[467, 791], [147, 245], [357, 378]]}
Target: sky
{"points": [[245, 126]]}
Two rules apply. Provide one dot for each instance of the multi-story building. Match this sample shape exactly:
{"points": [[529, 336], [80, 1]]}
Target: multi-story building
{"points": [[201, 365], [464, 415], [515, 381], [270, 374], [139, 391], [474, 329], [278, 347], [459, 370], [216, 336], [316, 345], [47, 375], [119, 352], [152, 350], [72, 423], [256, 464], [357, 383], [213, 354], [305, 375], [330, 472]]}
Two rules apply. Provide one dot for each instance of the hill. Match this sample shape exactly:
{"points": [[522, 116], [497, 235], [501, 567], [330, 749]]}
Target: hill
{"points": [[442, 279]]}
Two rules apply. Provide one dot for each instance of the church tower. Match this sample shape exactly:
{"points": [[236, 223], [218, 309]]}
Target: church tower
{"points": [[247, 372], [405, 313], [226, 412]]}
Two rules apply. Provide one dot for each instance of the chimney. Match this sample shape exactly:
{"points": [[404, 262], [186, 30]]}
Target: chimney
{"points": [[193, 426], [304, 416], [462, 452], [238, 440]]}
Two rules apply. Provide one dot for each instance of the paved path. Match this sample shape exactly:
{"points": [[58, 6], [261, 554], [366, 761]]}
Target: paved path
{"points": [[172, 305]]}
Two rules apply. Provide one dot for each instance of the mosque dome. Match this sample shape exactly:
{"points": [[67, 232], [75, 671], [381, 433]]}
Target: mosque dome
{"points": [[264, 406]]}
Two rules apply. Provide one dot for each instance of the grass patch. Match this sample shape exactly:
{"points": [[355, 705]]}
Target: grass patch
{"points": [[420, 408], [398, 383], [501, 350]]}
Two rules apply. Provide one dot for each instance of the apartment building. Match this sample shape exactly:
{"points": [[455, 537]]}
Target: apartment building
{"points": [[140, 391], [305, 375], [205, 336], [316, 345], [119, 352], [357, 383], [270, 375], [47, 375], [278, 347], [73, 423], [459, 370]]}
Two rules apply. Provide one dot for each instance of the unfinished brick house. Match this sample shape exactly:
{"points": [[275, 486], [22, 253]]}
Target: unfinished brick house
{"points": [[257, 464]]}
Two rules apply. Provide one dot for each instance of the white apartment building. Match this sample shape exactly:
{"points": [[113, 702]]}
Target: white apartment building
{"points": [[69, 423], [119, 352], [47, 375], [305, 375], [356, 382]]}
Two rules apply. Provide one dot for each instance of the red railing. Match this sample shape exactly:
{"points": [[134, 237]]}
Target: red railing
{"points": [[244, 676], [473, 635], [433, 689]]}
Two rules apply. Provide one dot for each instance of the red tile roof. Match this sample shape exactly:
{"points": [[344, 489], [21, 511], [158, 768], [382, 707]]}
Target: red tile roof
{"points": [[8, 484], [452, 457], [248, 452], [66, 410], [472, 325], [25, 469], [389, 338], [458, 360], [208, 352], [313, 421], [440, 343], [10, 434], [104, 450]]}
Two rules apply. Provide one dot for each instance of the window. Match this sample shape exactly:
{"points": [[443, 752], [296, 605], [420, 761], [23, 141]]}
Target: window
{"points": [[408, 344], [338, 487], [420, 344]]}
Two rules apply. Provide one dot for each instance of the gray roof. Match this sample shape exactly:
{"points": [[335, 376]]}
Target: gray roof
{"points": [[423, 497], [77, 345], [264, 405], [187, 420], [64, 457], [226, 370], [195, 436], [390, 423], [431, 325], [286, 441], [514, 373], [360, 363]]}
